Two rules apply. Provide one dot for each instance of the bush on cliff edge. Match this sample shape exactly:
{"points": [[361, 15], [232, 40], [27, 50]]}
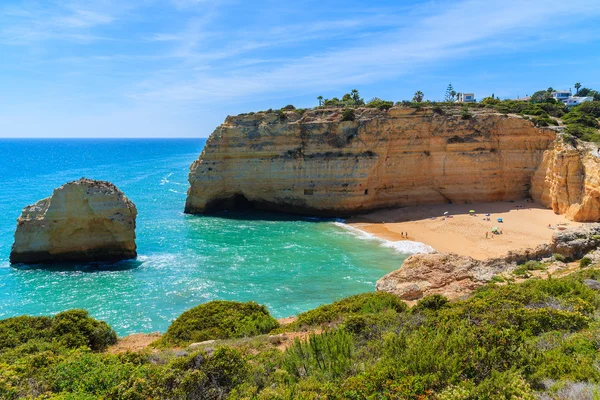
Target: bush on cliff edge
{"points": [[219, 320], [71, 329]]}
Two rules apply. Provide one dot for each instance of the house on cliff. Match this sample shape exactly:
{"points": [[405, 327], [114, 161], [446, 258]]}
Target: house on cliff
{"points": [[561, 95], [574, 101], [466, 98]]}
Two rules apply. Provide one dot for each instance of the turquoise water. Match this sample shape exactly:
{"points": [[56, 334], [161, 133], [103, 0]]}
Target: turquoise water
{"points": [[290, 265]]}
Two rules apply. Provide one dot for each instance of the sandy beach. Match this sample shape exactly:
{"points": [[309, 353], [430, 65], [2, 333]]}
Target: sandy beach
{"points": [[525, 225]]}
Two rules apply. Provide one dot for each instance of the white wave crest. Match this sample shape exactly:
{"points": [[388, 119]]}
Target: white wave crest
{"points": [[401, 246]]}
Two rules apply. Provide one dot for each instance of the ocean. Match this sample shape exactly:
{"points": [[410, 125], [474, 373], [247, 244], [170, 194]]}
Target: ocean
{"points": [[288, 264]]}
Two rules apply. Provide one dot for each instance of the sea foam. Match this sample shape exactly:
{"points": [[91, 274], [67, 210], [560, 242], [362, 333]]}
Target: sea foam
{"points": [[401, 246]]}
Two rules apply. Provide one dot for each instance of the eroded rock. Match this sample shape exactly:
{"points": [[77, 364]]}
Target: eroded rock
{"points": [[448, 274], [314, 163], [83, 220], [456, 276]]}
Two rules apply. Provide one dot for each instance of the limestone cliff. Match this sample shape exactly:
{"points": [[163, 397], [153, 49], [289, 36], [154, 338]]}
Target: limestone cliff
{"points": [[84, 220], [313, 162], [568, 181]]}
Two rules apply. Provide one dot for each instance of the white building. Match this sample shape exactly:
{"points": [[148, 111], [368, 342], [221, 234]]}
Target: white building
{"points": [[573, 101], [561, 95], [466, 98]]}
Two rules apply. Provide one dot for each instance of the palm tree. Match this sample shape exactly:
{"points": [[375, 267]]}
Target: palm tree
{"points": [[320, 98], [577, 87], [418, 97], [452, 95]]}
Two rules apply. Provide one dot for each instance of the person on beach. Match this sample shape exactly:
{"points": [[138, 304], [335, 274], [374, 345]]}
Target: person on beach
{"points": [[486, 235]]}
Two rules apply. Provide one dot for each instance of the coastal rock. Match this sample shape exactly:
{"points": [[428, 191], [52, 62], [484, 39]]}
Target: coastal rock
{"points": [[456, 276], [317, 164], [576, 243], [83, 220], [448, 274], [592, 284], [568, 181]]}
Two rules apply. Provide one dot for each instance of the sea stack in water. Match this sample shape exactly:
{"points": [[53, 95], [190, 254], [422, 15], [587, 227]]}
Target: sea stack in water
{"points": [[83, 220]]}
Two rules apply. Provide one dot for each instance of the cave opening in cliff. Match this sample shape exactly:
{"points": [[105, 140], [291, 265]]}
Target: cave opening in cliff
{"points": [[237, 202]]}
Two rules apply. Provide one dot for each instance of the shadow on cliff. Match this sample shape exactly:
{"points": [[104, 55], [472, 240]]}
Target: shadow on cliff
{"points": [[262, 215], [416, 213], [125, 265]]}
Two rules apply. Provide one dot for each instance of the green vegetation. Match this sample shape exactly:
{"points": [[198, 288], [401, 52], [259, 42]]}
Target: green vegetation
{"points": [[558, 257], [450, 93], [351, 99], [507, 341], [585, 262], [531, 265], [348, 115], [418, 97], [581, 121], [70, 329], [219, 320], [380, 104], [362, 304], [465, 114]]}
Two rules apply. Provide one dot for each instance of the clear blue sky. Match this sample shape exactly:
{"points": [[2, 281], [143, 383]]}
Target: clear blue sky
{"points": [[176, 68]]}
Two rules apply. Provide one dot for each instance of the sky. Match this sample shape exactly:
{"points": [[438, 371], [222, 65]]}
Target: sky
{"points": [[177, 68]]}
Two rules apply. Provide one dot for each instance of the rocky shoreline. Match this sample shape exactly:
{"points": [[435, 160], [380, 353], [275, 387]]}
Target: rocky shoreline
{"points": [[455, 276]]}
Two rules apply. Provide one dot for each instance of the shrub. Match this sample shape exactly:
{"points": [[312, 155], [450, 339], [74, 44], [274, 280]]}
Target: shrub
{"points": [[438, 110], [289, 107], [71, 329], [219, 320], [530, 265], [558, 257], [367, 303], [380, 104], [575, 116], [348, 115], [281, 115], [465, 114], [330, 353], [504, 385], [585, 262], [589, 107], [433, 302], [582, 132]]}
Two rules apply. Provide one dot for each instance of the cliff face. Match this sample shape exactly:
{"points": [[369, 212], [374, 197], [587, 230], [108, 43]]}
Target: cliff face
{"points": [[568, 181], [84, 220], [315, 163]]}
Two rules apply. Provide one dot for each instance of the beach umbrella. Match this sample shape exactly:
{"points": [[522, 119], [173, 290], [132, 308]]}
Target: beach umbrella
{"points": [[500, 220], [495, 229], [487, 215], [446, 213], [471, 211]]}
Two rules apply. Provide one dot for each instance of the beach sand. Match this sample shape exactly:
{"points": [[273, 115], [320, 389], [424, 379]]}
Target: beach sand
{"points": [[525, 225]]}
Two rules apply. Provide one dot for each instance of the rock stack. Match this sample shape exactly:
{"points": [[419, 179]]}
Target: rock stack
{"points": [[83, 220]]}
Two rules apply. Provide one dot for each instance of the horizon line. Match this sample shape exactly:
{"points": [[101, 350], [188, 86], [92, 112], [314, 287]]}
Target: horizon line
{"points": [[100, 137]]}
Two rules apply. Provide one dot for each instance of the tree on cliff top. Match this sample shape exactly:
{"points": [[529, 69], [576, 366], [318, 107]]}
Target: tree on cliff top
{"points": [[418, 97], [577, 87], [450, 93], [320, 98]]}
